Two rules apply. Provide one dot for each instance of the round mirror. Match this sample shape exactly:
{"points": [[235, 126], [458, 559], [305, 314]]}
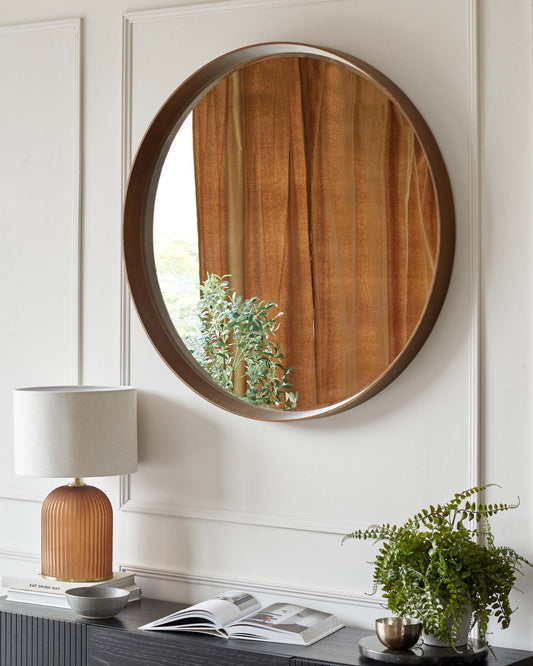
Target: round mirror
{"points": [[288, 231]]}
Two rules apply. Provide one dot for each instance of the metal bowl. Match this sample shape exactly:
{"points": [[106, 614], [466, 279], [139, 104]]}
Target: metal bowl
{"points": [[97, 602], [398, 633]]}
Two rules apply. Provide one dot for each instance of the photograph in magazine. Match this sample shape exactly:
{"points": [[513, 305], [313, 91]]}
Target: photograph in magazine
{"points": [[243, 600], [289, 617]]}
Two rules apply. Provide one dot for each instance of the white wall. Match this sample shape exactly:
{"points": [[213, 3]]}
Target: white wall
{"points": [[218, 500]]}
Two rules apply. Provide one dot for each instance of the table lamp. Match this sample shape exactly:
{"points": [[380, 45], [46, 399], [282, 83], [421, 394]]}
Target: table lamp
{"points": [[76, 431]]}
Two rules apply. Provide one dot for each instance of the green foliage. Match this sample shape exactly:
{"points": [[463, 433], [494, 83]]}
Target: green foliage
{"points": [[239, 341], [434, 567]]}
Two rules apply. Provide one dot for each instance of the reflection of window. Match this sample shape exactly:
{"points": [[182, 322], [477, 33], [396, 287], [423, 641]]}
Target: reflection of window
{"points": [[176, 234]]}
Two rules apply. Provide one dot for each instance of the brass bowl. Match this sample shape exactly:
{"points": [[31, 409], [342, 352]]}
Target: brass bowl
{"points": [[398, 633]]}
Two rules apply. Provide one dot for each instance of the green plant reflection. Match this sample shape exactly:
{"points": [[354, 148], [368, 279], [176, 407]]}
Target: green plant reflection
{"points": [[238, 345]]}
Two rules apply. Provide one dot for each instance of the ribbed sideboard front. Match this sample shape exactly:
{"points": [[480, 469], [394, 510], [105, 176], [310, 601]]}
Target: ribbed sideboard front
{"points": [[27, 640]]}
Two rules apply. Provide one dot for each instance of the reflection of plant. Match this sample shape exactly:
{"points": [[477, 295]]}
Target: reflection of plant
{"points": [[239, 342], [432, 568]]}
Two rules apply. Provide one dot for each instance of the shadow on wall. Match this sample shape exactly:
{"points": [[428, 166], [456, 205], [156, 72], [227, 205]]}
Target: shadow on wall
{"points": [[423, 374], [179, 448], [180, 463]]}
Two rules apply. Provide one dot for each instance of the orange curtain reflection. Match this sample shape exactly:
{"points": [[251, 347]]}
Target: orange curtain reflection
{"points": [[313, 192]]}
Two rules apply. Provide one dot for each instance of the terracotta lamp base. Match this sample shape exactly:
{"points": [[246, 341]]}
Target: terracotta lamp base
{"points": [[77, 534]]}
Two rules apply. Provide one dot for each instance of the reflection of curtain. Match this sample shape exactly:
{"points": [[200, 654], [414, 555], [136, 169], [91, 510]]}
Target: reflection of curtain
{"points": [[313, 192]]}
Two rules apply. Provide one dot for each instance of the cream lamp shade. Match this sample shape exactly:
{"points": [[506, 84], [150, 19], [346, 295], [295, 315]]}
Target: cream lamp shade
{"points": [[75, 431]]}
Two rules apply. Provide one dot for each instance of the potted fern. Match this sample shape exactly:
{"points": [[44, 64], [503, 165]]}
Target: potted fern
{"points": [[443, 564]]}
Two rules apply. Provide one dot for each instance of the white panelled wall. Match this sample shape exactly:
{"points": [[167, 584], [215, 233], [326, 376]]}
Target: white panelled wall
{"points": [[220, 501]]}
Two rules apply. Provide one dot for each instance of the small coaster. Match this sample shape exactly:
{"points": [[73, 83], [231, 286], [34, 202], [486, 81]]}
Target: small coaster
{"points": [[372, 648]]}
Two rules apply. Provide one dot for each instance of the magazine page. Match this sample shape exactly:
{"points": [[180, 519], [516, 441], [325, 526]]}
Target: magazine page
{"points": [[285, 623], [209, 616]]}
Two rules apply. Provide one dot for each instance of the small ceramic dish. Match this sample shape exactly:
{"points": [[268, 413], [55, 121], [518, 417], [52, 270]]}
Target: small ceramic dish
{"points": [[97, 602], [398, 633]]}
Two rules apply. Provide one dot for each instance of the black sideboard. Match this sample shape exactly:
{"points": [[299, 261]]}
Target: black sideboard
{"points": [[41, 636]]}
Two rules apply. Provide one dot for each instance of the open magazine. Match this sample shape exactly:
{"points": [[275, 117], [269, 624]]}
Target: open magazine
{"points": [[239, 615]]}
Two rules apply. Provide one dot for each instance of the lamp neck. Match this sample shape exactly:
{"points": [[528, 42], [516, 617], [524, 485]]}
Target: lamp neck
{"points": [[77, 483]]}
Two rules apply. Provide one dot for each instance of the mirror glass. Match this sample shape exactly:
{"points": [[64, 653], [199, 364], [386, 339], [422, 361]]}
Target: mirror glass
{"points": [[296, 232]]}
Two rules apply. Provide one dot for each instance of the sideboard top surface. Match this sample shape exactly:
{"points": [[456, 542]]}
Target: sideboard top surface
{"points": [[339, 648]]}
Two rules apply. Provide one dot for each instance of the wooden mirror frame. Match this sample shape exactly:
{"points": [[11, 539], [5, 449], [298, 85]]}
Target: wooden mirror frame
{"points": [[138, 228]]}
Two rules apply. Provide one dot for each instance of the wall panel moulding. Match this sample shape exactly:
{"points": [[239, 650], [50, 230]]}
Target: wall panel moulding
{"points": [[40, 189]]}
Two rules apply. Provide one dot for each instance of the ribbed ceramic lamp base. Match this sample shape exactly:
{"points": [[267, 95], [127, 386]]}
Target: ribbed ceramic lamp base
{"points": [[77, 534]]}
